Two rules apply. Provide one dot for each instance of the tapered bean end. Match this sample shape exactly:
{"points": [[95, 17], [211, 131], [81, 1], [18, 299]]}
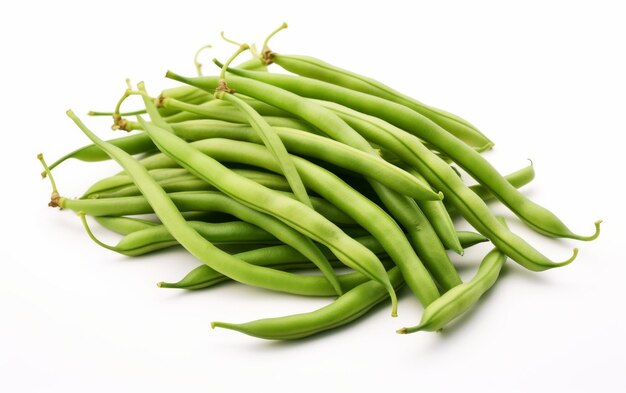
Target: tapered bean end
{"points": [[412, 329], [440, 195], [224, 325], [394, 301], [570, 260], [592, 236]]}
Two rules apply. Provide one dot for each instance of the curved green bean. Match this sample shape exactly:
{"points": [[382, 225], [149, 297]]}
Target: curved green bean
{"points": [[344, 309], [157, 237], [188, 237], [460, 299], [317, 69]]}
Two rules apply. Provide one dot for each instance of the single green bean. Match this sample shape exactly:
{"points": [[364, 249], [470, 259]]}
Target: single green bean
{"points": [[157, 237], [273, 256], [437, 215], [460, 299], [124, 225], [343, 310], [317, 69], [285, 257], [273, 144]]}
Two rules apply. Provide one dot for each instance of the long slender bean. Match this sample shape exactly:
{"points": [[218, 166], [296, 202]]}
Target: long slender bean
{"points": [[344, 309], [537, 217], [317, 69]]}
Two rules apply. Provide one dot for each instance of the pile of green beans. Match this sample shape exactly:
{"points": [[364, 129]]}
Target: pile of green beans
{"points": [[262, 175]]}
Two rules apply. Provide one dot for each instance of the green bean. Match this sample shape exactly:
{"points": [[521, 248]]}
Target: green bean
{"points": [[537, 217], [402, 208], [131, 144], [179, 180], [460, 299], [293, 213], [326, 184], [276, 257], [438, 217], [442, 177], [285, 257], [217, 111], [189, 201], [157, 237], [314, 68], [517, 179], [124, 225], [198, 246], [343, 310], [272, 142]]}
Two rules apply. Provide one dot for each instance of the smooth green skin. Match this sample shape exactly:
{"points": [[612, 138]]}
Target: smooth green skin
{"points": [[131, 144], [402, 208], [537, 217], [273, 144], [284, 258], [179, 181], [439, 219], [298, 216], [366, 213], [517, 179], [276, 257], [157, 237], [215, 110], [444, 178], [124, 225], [136, 245], [191, 240], [458, 300], [306, 144], [317, 69], [343, 310], [188, 201]]}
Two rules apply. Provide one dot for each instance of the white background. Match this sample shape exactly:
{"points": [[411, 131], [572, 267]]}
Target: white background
{"points": [[545, 80]]}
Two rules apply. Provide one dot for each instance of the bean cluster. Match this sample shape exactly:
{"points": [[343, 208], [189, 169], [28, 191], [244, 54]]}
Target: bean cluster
{"points": [[260, 175]]}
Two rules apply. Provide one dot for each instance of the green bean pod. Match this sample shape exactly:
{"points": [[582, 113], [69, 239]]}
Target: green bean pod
{"points": [[343, 310], [179, 180], [274, 145], [285, 257], [157, 237], [317, 69], [460, 299], [276, 257]]}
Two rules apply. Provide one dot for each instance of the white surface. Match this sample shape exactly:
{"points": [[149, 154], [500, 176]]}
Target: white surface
{"points": [[545, 80]]}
